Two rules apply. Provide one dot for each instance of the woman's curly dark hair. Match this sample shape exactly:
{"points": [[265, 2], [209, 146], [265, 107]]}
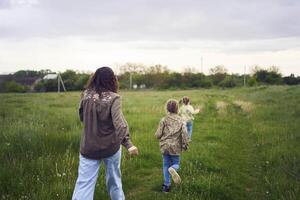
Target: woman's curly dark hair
{"points": [[103, 80]]}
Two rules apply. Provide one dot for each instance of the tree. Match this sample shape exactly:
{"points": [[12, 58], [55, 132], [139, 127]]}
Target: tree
{"points": [[228, 82], [189, 70], [191, 80], [291, 80], [218, 74], [174, 81], [268, 76], [69, 78], [219, 69], [157, 69], [81, 81], [26, 73], [132, 68], [261, 75]]}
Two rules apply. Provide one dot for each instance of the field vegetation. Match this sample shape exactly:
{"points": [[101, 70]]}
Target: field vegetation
{"points": [[139, 76], [245, 145]]}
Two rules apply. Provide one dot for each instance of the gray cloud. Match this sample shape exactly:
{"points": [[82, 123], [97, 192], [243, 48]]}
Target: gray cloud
{"points": [[155, 20]]}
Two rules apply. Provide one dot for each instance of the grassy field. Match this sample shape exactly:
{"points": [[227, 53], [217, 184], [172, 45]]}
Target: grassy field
{"points": [[246, 145]]}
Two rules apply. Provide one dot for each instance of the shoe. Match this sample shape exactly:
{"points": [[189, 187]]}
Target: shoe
{"points": [[175, 176], [165, 188]]}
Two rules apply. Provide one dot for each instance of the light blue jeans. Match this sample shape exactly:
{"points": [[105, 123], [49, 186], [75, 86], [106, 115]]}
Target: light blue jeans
{"points": [[88, 174], [189, 127], [169, 161]]}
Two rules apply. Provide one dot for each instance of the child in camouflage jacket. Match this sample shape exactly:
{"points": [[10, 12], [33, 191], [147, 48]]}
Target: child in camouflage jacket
{"points": [[173, 139]]}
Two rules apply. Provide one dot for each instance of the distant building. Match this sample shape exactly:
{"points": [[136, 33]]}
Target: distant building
{"points": [[5, 77], [142, 86], [50, 76]]}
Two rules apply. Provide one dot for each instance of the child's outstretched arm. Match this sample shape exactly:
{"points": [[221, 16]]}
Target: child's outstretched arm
{"points": [[160, 129], [194, 111]]}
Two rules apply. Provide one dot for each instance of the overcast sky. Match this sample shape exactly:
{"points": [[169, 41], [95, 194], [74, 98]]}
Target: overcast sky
{"points": [[87, 34]]}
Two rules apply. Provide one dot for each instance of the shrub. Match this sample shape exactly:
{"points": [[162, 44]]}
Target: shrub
{"points": [[252, 82], [271, 76], [40, 87], [291, 80], [205, 83], [228, 82], [13, 86]]}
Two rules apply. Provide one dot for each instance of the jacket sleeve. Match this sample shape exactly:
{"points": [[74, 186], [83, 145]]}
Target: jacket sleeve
{"points": [[180, 111], [159, 131], [120, 123], [185, 137], [80, 110], [192, 110]]}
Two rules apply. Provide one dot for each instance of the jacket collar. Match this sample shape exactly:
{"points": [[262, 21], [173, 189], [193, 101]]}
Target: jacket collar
{"points": [[173, 116]]}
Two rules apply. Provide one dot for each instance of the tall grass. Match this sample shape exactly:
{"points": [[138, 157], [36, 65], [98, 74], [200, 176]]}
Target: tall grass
{"points": [[237, 153]]}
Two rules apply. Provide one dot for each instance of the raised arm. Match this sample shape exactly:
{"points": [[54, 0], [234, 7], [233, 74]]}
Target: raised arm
{"points": [[193, 111], [120, 123]]}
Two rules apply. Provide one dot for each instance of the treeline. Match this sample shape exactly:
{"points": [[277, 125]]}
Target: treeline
{"points": [[136, 76], [159, 77]]}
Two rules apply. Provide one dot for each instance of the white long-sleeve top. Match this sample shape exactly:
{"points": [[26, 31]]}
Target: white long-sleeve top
{"points": [[187, 112]]}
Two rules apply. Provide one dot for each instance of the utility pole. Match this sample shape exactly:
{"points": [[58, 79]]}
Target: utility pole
{"points": [[245, 76], [58, 84], [130, 81], [62, 83], [202, 64], [59, 80]]}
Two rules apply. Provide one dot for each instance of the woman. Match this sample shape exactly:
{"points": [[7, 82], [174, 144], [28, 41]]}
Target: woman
{"points": [[105, 129]]}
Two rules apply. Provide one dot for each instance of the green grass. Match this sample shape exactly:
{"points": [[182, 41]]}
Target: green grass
{"points": [[233, 155]]}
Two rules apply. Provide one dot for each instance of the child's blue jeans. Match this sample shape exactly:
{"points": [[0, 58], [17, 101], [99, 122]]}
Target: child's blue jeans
{"points": [[189, 127], [88, 174], [169, 161]]}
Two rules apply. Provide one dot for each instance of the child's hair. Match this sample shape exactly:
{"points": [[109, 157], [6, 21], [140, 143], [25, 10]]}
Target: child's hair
{"points": [[186, 100], [172, 106]]}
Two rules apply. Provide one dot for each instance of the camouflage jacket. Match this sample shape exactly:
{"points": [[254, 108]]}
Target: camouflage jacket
{"points": [[172, 135]]}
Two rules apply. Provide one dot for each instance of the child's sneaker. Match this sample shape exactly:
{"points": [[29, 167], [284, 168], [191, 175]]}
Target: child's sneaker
{"points": [[165, 188], [175, 176]]}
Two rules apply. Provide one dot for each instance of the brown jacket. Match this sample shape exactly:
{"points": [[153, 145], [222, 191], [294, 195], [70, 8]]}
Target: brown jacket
{"points": [[105, 127], [172, 135]]}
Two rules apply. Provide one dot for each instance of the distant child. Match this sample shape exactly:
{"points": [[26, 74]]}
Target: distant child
{"points": [[187, 113], [173, 139]]}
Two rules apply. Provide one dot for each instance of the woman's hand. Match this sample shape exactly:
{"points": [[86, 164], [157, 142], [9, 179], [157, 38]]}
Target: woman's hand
{"points": [[133, 151]]}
